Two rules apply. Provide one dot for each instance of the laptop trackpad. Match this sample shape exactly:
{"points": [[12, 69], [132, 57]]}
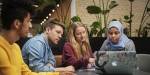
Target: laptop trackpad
{"points": [[116, 67]]}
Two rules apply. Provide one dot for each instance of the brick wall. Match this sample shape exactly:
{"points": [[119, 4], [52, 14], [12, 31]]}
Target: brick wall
{"points": [[117, 13]]}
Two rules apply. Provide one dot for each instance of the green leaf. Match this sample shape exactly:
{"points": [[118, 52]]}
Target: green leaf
{"points": [[76, 18], [95, 24], [93, 9], [131, 0], [93, 31], [148, 9], [126, 17], [99, 33], [113, 4]]}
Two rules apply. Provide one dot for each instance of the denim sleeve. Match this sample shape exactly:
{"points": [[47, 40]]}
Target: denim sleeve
{"points": [[36, 60]]}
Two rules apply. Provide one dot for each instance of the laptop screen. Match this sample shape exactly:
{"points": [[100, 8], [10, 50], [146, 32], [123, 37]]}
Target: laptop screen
{"points": [[116, 61]]}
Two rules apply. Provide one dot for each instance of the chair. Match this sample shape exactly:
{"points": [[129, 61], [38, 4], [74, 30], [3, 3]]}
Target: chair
{"points": [[143, 62], [58, 59]]}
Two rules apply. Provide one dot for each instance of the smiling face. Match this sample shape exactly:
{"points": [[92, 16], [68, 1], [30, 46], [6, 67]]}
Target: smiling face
{"points": [[54, 34], [80, 34], [114, 35]]}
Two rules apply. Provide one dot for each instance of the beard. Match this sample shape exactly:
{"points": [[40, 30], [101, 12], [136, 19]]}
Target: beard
{"points": [[23, 32]]}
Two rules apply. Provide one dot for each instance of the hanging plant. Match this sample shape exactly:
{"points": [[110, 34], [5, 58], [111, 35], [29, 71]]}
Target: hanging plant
{"points": [[145, 17]]}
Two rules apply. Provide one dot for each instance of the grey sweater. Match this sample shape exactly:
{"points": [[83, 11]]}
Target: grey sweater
{"points": [[129, 46]]}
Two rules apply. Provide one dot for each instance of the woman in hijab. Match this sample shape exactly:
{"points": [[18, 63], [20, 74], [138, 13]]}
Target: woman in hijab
{"points": [[116, 39]]}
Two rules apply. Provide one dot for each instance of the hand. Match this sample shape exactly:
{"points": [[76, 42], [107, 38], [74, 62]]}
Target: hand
{"points": [[70, 68], [91, 60], [89, 66], [67, 73], [49, 64]]}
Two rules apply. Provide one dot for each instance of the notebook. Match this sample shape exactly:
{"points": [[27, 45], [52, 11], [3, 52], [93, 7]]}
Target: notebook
{"points": [[116, 62]]}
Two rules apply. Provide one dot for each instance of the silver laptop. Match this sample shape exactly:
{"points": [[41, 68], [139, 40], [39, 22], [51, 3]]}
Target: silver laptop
{"points": [[116, 62]]}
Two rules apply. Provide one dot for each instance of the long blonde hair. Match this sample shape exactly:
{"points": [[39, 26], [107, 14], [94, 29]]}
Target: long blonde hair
{"points": [[83, 51]]}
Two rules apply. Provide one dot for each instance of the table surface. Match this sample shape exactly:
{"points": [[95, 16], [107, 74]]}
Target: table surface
{"points": [[92, 72]]}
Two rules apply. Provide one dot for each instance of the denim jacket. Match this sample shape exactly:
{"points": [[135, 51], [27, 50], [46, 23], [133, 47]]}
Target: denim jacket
{"points": [[38, 55]]}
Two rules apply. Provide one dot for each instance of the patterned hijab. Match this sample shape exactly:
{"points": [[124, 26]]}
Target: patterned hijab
{"points": [[122, 40]]}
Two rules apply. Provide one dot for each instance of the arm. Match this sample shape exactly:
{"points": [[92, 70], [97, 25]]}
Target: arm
{"points": [[65, 69], [6, 68], [27, 71], [35, 57], [103, 47], [69, 57], [130, 46], [19, 67]]}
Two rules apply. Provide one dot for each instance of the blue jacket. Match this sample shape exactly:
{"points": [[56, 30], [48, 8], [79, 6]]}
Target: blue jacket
{"points": [[37, 54]]}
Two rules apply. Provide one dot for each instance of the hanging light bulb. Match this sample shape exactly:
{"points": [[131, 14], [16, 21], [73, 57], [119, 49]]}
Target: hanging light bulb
{"points": [[36, 5], [49, 14], [47, 17], [41, 23], [57, 5], [53, 10], [44, 20]]}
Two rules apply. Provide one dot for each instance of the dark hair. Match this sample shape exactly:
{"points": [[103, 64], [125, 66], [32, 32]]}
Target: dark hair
{"points": [[52, 23], [14, 9]]}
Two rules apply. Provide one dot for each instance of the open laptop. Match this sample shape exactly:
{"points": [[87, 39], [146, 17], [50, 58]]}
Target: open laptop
{"points": [[115, 62]]}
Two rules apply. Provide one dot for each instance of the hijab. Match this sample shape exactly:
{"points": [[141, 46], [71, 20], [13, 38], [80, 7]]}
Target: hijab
{"points": [[122, 40]]}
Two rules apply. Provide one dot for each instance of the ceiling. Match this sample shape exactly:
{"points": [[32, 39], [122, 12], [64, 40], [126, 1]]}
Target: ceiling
{"points": [[43, 8]]}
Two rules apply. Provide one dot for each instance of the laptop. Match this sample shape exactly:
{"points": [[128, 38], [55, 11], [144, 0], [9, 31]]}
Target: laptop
{"points": [[115, 62]]}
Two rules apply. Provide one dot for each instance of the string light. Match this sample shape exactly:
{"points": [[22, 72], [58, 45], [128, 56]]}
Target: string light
{"points": [[36, 6], [47, 17], [57, 5], [44, 20], [53, 10], [41, 23], [49, 14]]}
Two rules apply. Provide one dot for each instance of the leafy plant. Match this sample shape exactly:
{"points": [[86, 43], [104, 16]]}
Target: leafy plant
{"points": [[75, 19], [101, 12], [128, 19], [146, 30], [145, 17], [93, 9], [96, 29]]}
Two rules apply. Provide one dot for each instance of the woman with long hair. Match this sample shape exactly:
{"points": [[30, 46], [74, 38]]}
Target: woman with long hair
{"points": [[77, 50]]}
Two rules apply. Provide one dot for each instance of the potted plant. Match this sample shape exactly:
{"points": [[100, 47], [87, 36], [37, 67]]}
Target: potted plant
{"points": [[101, 12]]}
